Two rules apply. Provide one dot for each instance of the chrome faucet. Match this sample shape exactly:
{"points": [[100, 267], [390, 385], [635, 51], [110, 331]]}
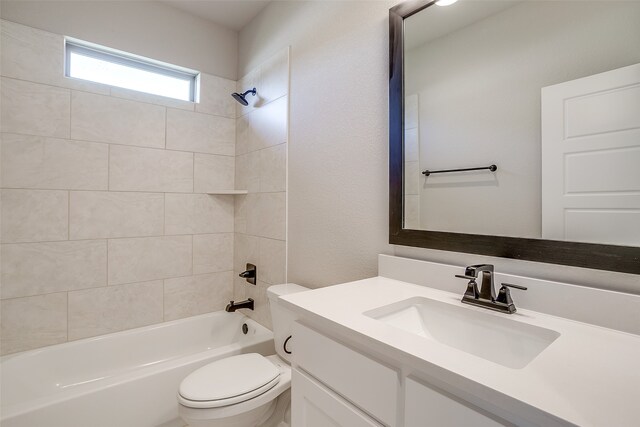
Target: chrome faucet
{"points": [[487, 297]]}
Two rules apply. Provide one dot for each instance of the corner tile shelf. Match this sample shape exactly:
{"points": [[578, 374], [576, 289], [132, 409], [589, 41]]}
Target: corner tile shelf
{"points": [[217, 192]]}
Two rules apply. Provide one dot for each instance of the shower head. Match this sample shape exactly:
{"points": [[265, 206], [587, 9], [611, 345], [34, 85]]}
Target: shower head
{"points": [[241, 97]]}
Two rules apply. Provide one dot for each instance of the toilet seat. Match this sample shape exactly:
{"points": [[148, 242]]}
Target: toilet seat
{"points": [[228, 381]]}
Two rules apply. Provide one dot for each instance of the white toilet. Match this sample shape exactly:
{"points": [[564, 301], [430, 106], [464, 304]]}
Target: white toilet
{"points": [[246, 390]]}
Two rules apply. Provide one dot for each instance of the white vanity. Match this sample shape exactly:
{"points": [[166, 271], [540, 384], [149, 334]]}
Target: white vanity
{"points": [[401, 349]]}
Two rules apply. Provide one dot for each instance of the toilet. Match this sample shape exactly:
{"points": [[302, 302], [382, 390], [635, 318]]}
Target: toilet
{"points": [[246, 390]]}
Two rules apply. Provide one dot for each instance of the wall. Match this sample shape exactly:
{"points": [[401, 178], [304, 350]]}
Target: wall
{"points": [[105, 222], [337, 211], [338, 145], [488, 77], [261, 169], [148, 28]]}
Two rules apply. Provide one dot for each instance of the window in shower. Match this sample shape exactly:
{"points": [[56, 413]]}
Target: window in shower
{"points": [[88, 61]]}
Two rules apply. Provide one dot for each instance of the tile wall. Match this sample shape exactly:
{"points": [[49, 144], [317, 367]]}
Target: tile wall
{"points": [[412, 176], [261, 168], [105, 222]]}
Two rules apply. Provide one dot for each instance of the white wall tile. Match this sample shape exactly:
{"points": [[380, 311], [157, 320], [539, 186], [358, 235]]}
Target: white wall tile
{"points": [[146, 169], [34, 109], [212, 253], [248, 172], [240, 213], [31, 54], [246, 249], [412, 212], [198, 214], [273, 168], [106, 119], [243, 135], [114, 308], [269, 219], [268, 125], [200, 133], [273, 259], [43, 268], [215, 96], [38, 56], [150, 98], [412, 178], [51, 163], [261, 313], [100, 214], [34, 215], [149, 258], [189, 296], [33, 322], [271, 79], [213, 173]]}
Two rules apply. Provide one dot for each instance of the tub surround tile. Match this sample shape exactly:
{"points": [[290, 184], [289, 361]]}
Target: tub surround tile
{"points": [[271, 79], [101, 214], [246, 249], [273, 261], [268, 125], [33, 322], [213, 173], [149, 98], [243, 135], [106, 119], [114, 308], [34, 109], [34, 215], [212, 253], [268, 219], [38, 56], [149, 258], [215, 96], [261, 313], [201, 133], [412, 178], [31, 54], [146, 169], [273, 168], [51, 163], [198, 213], [247, 172], [240, 213], [190, 296], [42, 268]]}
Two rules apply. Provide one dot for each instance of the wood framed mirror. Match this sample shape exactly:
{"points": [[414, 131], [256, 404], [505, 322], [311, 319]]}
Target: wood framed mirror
{"points": [[527, 242]]}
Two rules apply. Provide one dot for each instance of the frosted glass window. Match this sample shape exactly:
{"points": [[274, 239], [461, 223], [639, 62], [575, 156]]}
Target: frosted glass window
{"points": [[106, 66]]}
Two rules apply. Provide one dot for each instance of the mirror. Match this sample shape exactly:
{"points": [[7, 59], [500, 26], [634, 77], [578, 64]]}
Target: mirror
{"points": [[515, 130]]}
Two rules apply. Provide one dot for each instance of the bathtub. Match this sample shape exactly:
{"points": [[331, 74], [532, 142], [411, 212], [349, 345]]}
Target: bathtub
{"points": [[125, 379]]}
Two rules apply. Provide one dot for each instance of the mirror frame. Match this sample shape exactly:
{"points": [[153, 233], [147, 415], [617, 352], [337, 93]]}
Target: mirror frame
{"points": [[624, 259]]}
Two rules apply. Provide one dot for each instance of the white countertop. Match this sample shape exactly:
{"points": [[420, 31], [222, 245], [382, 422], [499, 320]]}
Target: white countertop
{"points": [[589, 376]]}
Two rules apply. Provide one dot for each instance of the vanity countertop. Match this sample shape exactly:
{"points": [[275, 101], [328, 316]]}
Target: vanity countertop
{"points": [[589, 376]]}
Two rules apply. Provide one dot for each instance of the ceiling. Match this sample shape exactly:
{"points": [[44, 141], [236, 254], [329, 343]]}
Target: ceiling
{"points": [[232, 14]]}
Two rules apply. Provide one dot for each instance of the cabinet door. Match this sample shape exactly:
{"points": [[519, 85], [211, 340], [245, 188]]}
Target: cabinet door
{"points": [[427, 407], [313, 405]]}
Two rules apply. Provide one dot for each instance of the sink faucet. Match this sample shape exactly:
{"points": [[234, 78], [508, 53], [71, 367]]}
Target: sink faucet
{"points": [[487, 297]]}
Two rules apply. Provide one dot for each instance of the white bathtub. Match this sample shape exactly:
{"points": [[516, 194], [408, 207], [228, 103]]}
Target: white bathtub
{"points": [[125, 379]]}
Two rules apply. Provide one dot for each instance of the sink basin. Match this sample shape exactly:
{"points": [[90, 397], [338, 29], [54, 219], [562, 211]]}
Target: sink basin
{"points": [[493, 337]]}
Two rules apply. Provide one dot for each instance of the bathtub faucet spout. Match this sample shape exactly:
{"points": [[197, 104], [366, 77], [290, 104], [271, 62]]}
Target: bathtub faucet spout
{"points": [[233, 306]]}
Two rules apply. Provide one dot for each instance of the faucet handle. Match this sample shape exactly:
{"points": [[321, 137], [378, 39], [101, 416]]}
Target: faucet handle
{"points": [[472, 287], [511, 285], [463, 276]]}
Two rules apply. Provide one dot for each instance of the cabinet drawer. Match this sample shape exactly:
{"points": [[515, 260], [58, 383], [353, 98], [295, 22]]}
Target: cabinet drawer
{"points": [[316, 406], [426, 406], [368, 384]]}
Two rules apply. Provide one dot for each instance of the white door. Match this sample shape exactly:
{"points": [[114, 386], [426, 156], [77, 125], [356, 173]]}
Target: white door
{"points": [[591, 159]]}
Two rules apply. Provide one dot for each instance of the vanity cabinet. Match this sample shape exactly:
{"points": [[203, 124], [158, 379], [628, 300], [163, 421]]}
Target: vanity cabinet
{"points": [[314, 405], [335, 385]]}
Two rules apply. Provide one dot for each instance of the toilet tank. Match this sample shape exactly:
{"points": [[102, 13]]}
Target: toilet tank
{"points": [[281, 317]]}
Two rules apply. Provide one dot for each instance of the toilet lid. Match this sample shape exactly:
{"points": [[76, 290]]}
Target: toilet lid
{"points": [[228, 380]]}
